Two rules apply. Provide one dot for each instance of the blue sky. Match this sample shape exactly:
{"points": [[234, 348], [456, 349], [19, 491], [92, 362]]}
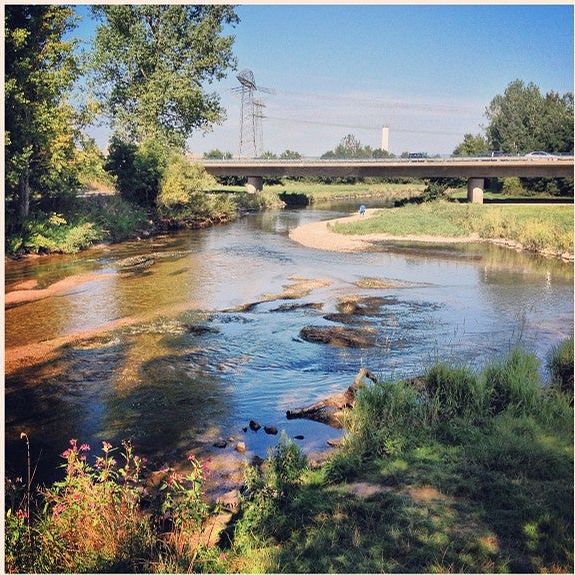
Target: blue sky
{"points": [[426, 71]]}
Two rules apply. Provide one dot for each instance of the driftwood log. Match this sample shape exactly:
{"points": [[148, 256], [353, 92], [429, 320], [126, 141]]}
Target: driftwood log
{"points": [[330, 410]]}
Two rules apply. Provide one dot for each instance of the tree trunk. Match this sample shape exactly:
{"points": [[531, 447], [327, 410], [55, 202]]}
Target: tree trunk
{"points": [[330, 410], [24, 195]]}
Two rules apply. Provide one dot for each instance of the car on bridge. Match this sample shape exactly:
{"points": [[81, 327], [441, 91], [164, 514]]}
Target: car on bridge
{"points": [[540, 155]]}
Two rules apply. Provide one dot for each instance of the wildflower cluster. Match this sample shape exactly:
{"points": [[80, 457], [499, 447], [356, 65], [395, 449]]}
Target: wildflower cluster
{"points": [[182, 502]]}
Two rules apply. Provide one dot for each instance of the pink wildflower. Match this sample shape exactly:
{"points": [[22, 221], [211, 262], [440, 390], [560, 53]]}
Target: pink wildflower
{"points": [[106, 446], [84, 447], [73, 442], [21, 514]]}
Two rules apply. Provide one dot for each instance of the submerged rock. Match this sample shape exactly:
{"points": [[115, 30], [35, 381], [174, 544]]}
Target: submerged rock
{"points": [[340, 336], [270, 430], [136, 263], [286, 307], [254, 425]]}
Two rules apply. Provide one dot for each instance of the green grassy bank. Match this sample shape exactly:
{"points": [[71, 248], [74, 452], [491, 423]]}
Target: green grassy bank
{"points": [[535, 227], [454, 471]]}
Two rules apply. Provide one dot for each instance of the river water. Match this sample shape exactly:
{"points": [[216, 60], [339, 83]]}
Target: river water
{"points": [[165, 360]]}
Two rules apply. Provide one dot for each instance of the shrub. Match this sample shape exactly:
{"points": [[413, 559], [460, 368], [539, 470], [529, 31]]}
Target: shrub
{"points": [[53, 233], [138, 169], [560, 364], [182, 184], [118, 218], [512, 187]]}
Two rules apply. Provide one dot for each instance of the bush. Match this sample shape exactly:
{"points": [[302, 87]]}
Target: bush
{"points": [[52, 233], [560, 364], [118, 218], [138, 169], [181, 183], [512, 187]]}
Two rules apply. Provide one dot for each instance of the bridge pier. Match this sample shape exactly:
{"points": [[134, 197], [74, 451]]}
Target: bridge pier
{"points": [[475, 190], [254, 184]]}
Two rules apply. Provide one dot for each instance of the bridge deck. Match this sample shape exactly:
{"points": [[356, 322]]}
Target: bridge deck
{"points": [[439, 168]]}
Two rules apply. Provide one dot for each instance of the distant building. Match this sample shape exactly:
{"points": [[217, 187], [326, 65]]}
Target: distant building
{"points": [[385, 139]]}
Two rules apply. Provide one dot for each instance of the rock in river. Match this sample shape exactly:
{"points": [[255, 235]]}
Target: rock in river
{"points": [[340, 336]]}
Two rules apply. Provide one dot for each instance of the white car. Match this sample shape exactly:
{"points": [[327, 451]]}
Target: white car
{"points": [[540, 156]]}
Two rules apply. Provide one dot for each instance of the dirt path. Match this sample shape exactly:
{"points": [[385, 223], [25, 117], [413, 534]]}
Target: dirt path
{"points": [[318, 235]]}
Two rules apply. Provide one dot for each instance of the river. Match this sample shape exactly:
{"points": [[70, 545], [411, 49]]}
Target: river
{"points": [[165, 360]]}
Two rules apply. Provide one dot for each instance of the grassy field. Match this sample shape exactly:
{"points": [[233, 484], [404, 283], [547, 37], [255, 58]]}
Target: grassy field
{"points": [[535, 227]]}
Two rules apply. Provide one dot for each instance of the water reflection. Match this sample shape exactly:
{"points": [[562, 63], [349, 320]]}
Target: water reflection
{"points": [[181, 372]]}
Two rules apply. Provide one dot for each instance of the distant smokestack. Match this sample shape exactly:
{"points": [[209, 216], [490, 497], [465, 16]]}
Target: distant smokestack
{"points": [[385, 139]]}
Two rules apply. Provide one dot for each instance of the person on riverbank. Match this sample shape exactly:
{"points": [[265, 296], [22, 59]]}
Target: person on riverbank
{"points": [[362, 210]]}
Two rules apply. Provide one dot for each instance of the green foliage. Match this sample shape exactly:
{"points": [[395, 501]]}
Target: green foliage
{"points": [[380, 418], [217, 154], [350, 148], [118, 219], [522, 120], [453, 392], [52, 233], [151, 63], [513, 384], [41, 127], [560, 365], [138, 169], [290, 155], [264, 200], [471, 146], [182, 184], [512, 187]]}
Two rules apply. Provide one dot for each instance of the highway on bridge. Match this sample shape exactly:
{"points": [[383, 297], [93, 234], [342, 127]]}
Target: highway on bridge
{"points": [[474, 169]]}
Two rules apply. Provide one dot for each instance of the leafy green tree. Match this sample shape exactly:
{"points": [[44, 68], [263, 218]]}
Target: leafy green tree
{"points": [[181, 180], [290, 155], [151, 63], [217, 154], [138, 169], [471, 146], [522, 120], [40, 69]]}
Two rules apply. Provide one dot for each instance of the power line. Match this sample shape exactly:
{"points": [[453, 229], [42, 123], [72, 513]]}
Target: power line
{"points": [[357, 127]]}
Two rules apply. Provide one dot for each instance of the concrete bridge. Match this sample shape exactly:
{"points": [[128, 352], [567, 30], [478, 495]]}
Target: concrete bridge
{"points": [[474, 169]]}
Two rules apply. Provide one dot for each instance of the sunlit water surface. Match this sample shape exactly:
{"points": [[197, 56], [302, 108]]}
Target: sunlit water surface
{"points": [[186, 372]]}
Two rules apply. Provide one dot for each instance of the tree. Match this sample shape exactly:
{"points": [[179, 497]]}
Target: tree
{"points": [[217, 154], [471, 146], [138, 169], [290, 155], [522, 120], [350, 148], [152, 62], [40, 124]]}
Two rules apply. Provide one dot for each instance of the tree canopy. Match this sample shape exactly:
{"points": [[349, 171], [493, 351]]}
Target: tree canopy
{"points": [[351, 148], [151, 65], [522, 120], [40, 124]]}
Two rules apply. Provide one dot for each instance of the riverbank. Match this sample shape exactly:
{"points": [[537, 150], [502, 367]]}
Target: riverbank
{"points": [[520, 227], [456, 470]]}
